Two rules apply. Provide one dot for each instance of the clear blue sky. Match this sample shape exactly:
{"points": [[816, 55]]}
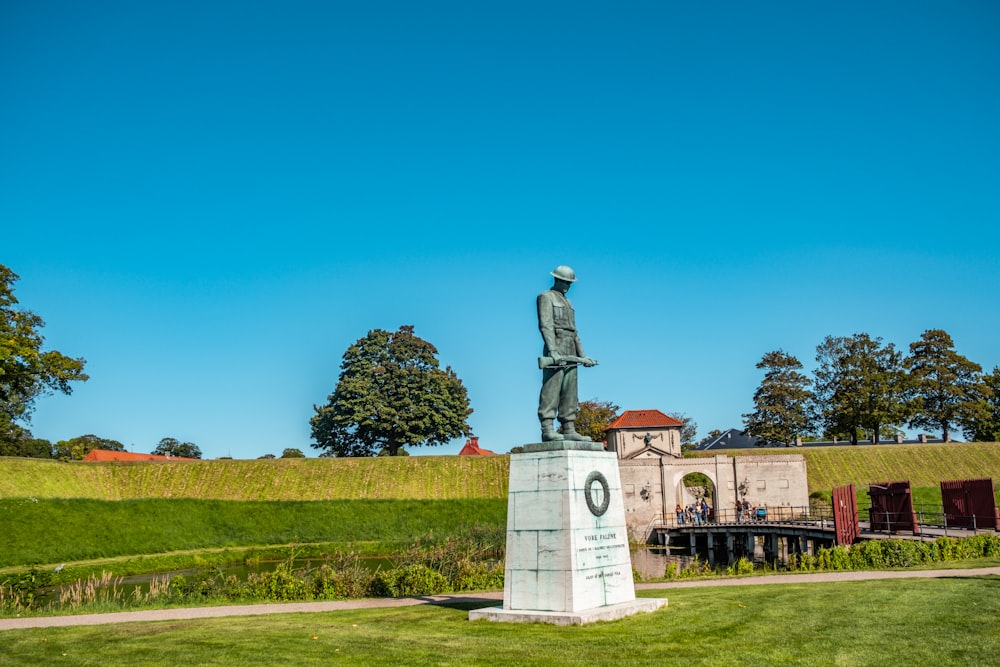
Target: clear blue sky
{"points": [[210, 201]]}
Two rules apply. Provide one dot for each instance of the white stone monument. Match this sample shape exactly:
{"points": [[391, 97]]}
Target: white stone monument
{"points": [[568, 558]]}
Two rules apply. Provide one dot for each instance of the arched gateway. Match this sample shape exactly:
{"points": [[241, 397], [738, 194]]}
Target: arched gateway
{"points": [[653, 477]]}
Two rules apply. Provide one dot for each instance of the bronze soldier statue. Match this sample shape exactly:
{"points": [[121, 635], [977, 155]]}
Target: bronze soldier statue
{"points": [[562, 355]]}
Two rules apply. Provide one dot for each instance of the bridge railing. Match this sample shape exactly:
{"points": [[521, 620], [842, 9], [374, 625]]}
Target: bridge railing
{"points": [[933, 516], [814, 515]]}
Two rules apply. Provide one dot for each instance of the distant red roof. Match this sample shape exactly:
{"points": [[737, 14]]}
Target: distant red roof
{"points": [[644, 419], [472, 448], [108, 455]]}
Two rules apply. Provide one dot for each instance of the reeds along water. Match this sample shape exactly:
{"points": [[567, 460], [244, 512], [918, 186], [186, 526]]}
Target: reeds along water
{"points": [[107, 588]]}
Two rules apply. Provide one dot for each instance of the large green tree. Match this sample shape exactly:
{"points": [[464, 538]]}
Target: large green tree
{"points": [[781, 401], [984, 426], [17, 441], [391, 394], [594, 417], [948, 388], [860, 385], [174, 447], [27, 371]]}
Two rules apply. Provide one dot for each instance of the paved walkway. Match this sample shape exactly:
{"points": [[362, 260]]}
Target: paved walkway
{"points": [[188, 613]]}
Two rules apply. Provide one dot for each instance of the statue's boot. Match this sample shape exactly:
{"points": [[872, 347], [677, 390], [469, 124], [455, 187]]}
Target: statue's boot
{"points": [[548, 433], [569, 432]]}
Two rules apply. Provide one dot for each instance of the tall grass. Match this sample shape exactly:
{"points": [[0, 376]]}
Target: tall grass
{"points": [[439, 477], [415, 477]]}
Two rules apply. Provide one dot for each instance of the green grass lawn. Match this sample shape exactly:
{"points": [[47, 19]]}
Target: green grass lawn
{"points": [[954, 621], [56, 530]]}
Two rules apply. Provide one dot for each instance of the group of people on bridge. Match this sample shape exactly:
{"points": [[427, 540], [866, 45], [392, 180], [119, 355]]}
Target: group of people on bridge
{"points": [[700, 512], [696, 514], [745, 512]]}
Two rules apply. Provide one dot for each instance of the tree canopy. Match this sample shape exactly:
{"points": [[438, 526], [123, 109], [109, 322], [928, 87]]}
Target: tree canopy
{"points": [[594, 416], [17, 441], [948, 388], [391, 394], [781, 401], [26, 370], [984, 426], [174, 447], [76, 448], [689, 431], [860, 385]]}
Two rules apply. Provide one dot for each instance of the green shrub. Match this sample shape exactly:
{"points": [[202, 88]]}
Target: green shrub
{"points": [[867, 555], [902, 553], [409, 580], [20, 591], [282, 584], [743, 566], [837, 558], [478, 576], [947, 548], [342, 578]]}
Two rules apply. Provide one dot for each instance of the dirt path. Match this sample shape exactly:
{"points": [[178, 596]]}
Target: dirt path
{"points": [[189, 613]]}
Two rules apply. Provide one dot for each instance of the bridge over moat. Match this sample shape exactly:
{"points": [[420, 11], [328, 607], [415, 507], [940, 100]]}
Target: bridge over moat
{"points": [[775, 541]]}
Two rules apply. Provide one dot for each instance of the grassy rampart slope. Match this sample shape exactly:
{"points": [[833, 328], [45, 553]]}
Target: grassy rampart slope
{"points": [[412, 478], [922, 465], [437, 477]]}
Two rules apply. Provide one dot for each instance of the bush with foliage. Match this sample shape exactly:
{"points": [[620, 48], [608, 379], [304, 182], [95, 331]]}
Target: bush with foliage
{"points": [[895, 553]]}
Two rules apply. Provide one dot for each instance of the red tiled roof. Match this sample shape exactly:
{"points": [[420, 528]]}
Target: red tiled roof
{"points": [[109, 455], [644, 419], [472, 448]]}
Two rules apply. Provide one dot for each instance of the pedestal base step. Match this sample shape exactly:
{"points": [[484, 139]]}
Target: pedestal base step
{"points": [[608, 613]]}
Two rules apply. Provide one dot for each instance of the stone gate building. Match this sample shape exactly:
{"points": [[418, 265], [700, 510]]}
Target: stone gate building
{"points": [[647, 443]]}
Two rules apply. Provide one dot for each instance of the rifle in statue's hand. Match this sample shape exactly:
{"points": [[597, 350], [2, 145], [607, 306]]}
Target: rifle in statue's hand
{"points": [[565, 361]]}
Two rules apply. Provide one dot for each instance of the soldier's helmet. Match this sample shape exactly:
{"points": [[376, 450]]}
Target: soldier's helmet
{"points": [[564, 273]]}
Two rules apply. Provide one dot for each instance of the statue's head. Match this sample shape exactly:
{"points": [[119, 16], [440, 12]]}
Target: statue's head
{"points": [[564, 273]]}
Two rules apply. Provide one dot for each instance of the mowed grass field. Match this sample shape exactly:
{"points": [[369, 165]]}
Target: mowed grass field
{"points": [[906, 622]]}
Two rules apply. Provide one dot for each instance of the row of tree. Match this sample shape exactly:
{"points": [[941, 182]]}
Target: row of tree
{"points": [[864, 387], [74, 449], [392, 393]]}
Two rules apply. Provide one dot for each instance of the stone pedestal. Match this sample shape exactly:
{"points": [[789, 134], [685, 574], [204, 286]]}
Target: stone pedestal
{"points": [[567, 556]]}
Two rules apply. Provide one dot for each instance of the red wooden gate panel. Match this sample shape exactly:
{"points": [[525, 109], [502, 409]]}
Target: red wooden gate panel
{"points": [[969, 503], [892, 507], [845, 514]]}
